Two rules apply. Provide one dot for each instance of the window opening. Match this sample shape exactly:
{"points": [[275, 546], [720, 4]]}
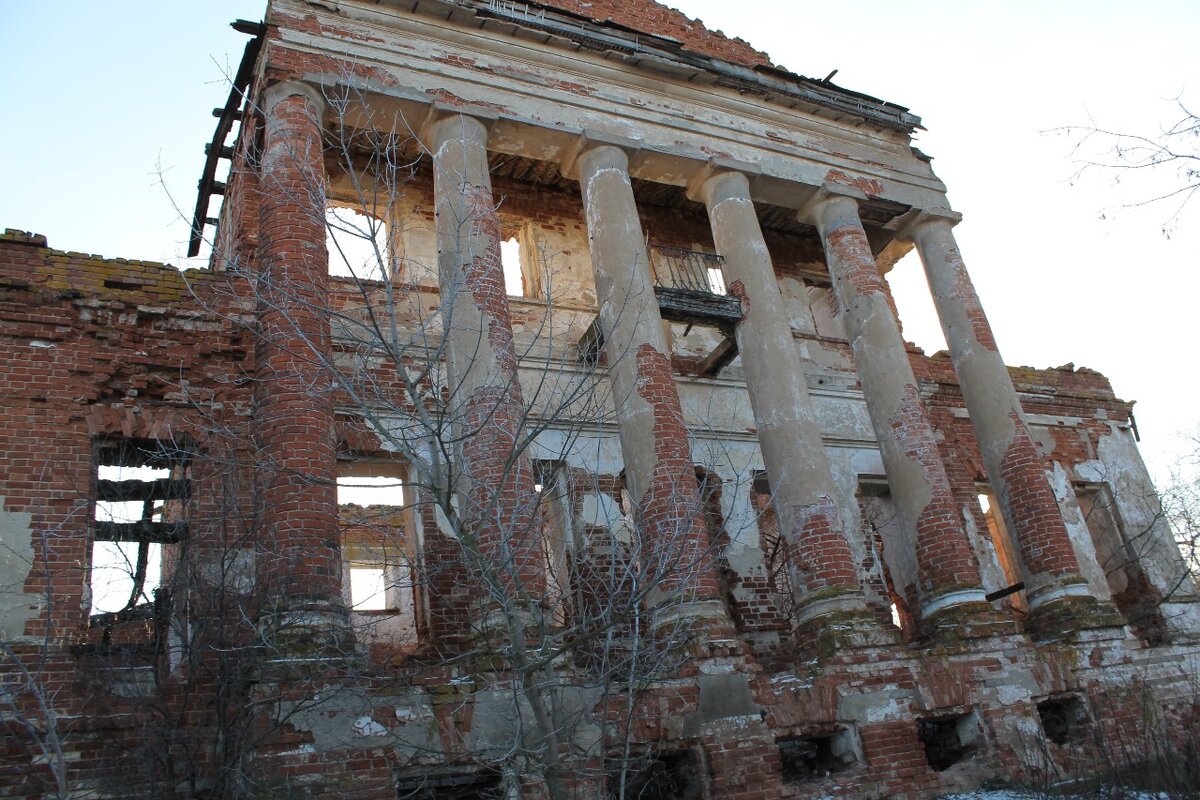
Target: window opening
{"points": [[948, 740], [664, 776], [368, 589], [551, 485], [141, 488], [450, 786], [1133, 594], [806, 758], [378, 578], [880, 523], [370, 491], [1064, 719], [718, 538], [510, 261], [1006, 551], [774, 547], [357, 244], [716, 280]]}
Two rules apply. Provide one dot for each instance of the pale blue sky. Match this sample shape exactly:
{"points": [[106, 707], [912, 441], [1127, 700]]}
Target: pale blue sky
{"points": [[101, 96]]}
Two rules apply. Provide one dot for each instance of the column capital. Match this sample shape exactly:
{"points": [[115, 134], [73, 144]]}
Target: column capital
{"points": [[700, 184], [822, 196], [277, 92], [906, 225], [474, 119], [592, 139]]}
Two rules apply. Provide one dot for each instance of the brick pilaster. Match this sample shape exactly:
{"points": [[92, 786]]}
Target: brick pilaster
{"points": [[299, 564]]}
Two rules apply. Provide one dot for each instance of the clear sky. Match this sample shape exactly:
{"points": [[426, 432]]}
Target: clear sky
{"points": [[108, 109]]}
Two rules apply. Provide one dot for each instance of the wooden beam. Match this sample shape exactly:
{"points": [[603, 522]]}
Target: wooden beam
{"points": [[720, 357], [141, 531], [125, 491]]}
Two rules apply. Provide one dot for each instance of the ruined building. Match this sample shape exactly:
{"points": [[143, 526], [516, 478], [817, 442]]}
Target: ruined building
{"points": [[543, 427]]}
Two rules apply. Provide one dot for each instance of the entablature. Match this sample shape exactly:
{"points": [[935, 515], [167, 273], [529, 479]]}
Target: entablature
{"points": [[542, 99]]}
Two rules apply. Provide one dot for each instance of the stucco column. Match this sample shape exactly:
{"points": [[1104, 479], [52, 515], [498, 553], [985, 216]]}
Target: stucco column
{"points": [[824, 576], [947, 575], [299, 566], [659, 474], [495, 486], [1014, 467]]}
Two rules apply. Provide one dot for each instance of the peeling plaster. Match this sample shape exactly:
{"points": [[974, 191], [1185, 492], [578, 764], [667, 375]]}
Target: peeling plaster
{"points": [[17, 607], [1077, 529], [1120, 465]]}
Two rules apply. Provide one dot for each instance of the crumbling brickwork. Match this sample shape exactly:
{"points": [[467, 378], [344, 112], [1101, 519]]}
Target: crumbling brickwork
{"points": [[443, 479]]}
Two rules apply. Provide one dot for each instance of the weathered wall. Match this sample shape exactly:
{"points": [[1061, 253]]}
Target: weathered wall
{"points": [[93, 349], [60, 303]]}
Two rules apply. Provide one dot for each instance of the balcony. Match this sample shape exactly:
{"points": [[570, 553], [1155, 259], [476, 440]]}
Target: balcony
{"points": [[690, 288]]}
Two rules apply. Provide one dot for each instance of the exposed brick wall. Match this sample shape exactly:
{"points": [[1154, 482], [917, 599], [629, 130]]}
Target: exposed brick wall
{"points": [[92, 347]]}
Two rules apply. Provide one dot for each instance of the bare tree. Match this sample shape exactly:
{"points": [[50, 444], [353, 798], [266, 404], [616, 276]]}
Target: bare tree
{"points": [[1171, 154], [1181, 504], [545, 613]]}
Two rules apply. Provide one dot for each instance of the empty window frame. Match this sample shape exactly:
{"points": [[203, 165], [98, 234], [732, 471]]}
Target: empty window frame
{"points": [[371, 501], [716, 280], [881, 528], [1118, 555], [521, 261], [382, 491], [808, 758], [357, 243], [718, 541], [1064, 719], [378, 578], [439, 785], [140, 501], [1002, 543], [377, 574], [667, 775]]}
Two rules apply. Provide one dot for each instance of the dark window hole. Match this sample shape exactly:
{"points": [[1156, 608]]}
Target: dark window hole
{"points": [[1064, 719], [664, 776], [449, 786], [948, 740], [807, 758]]}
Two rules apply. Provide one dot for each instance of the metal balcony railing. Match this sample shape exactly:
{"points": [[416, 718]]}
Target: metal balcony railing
{"points": [[690, 289], [690, 270]]}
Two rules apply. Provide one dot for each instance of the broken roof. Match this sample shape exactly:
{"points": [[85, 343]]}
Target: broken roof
{"points": [[647, 16]]}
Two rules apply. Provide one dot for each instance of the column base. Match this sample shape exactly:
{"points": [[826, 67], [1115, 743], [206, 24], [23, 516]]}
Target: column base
{"points": [[1182, 618], [825, 636], [316, 632], [493, 630], [700, 620], [971, 618], [1066, 615]]}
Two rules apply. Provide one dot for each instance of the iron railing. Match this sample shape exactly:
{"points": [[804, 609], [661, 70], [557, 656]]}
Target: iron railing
{"points": [[690, 270]]}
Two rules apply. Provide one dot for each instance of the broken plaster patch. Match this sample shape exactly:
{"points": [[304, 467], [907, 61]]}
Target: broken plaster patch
{"points": [[17, 607], [365, 726]]}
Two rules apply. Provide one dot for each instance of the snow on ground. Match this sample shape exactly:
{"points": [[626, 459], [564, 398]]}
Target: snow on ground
{"points": [[1016, 794]]}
